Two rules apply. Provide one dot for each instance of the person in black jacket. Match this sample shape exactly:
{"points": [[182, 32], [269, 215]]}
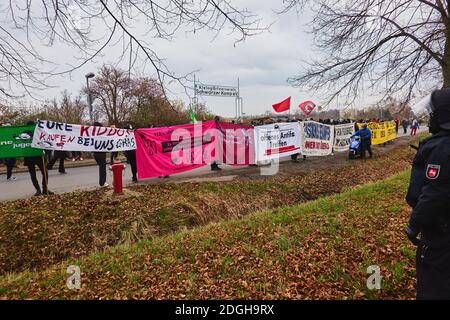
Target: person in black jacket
{"points": [[10, 164], [429, 197], [215, 164], [131, 159], [100, 158], [405, 125], [61, 156], [31, 163]]}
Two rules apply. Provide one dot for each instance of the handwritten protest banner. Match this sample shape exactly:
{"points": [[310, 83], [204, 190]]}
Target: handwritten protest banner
{"points": [[317, 138], [51, 135], [342, 136], [382, 132]]}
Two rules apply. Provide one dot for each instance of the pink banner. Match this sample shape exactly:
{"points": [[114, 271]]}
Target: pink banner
{"points": [[171, 150]]}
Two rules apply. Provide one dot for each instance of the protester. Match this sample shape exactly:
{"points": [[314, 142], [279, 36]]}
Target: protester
{"points": [[100, 159], [428, 195], [414, 127], [31, 163], [48, 155], [113, 155], [366, 140], [77, 156], [131, 159], [405, 124], [10, 164], [215, 165], [61, 156]]}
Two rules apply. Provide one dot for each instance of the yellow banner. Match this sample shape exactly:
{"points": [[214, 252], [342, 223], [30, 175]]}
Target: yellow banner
{"points": [[382, 132]]}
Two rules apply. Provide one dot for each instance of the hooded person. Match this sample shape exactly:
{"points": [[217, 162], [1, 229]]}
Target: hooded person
{"points": [[428, 196]]}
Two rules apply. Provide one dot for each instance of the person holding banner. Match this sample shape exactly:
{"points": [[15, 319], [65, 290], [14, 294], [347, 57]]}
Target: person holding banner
{"points": [[100, 158], [61, 156], [10, 163], [131, 159], [366, 140], [31, 163], [113, 155], [215, 164]]}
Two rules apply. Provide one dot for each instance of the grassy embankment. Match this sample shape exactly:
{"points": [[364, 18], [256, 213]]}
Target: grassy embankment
{"points": [[316, 250], [39, 232]]}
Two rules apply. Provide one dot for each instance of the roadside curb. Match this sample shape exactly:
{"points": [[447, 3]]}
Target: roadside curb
{"points": [[67, 165]]}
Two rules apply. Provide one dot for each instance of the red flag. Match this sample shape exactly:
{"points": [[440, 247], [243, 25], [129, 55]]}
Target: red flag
{"points": [[307, 107], [284, 105]]}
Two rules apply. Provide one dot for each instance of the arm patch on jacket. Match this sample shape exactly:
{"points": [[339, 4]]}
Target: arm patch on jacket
{"points": [[433, 171]]}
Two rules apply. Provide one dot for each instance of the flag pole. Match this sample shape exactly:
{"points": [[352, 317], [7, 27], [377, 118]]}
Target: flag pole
{"points": [[44, 173]]}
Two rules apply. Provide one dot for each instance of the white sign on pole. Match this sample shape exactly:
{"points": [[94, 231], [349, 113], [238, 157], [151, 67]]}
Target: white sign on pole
{"points": [[217, 91], [276, 140]]}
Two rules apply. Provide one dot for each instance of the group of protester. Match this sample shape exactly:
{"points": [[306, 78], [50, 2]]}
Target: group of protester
{"points": [[429, 224], [48, 161], [413, 124]]}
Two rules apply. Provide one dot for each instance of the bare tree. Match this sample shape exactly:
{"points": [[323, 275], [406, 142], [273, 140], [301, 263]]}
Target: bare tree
{"points": [[120, 96], [68, 109], [113, 92], [90, 26], [377, 47]]}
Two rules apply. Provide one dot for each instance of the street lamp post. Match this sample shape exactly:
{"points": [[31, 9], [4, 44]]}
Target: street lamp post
{"points": [[89, 76]]}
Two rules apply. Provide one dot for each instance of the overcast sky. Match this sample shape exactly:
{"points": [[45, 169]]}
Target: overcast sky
{"points": [[263, 63]]}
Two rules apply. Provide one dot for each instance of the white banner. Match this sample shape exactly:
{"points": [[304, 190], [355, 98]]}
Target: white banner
{"points": [[213, 90], [317, 139], [342, 136], [51, 135], [276, 140]]}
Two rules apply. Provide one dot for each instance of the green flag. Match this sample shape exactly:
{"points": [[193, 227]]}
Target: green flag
{"points": [[15, 142], [192, 115]]}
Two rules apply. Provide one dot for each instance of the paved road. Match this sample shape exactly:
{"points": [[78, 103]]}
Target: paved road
{"points": [[81, 178], [85, 178]]}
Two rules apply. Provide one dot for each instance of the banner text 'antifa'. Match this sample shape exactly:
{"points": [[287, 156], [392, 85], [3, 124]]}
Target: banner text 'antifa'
{"points": [[277, 138], [98, 138]]}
